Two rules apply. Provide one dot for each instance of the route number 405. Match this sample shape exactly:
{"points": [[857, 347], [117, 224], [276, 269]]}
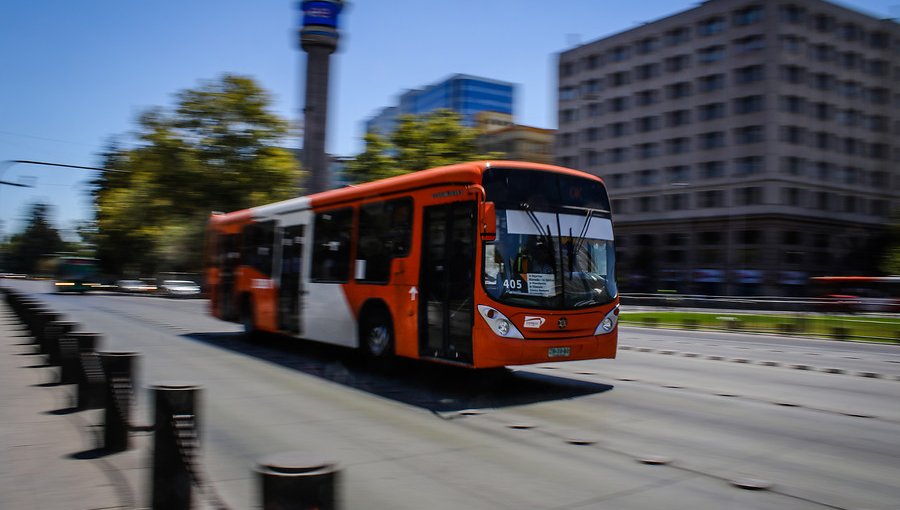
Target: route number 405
{"points": [[512, 284]]}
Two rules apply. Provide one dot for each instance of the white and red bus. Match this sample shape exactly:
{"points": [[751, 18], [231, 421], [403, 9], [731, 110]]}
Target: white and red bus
{"points": [[481, 264]]}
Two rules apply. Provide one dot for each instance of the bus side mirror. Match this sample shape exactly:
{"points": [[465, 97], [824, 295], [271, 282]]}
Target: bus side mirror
{"points": [[488, 221]]}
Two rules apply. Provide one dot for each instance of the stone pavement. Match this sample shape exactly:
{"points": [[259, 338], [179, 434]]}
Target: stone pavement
{"points": [[49, 458]]}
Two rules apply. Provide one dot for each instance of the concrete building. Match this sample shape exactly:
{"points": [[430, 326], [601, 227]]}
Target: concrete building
{"points": [[746, 144], [519, 143], [465, 94]]}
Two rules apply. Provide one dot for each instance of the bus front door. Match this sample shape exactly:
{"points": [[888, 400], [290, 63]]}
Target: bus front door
{"points": [[290, 288], [447, 282]]}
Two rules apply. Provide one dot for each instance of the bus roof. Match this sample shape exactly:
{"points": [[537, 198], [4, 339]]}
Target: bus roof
{"points": [[462, 173]]}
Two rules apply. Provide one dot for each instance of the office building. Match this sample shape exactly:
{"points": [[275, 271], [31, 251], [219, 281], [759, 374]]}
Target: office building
{"points": [[747, 145], [462, 93]]}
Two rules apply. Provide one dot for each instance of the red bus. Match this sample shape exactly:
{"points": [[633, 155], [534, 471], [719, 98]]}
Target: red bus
{"points": [[480, 264]]}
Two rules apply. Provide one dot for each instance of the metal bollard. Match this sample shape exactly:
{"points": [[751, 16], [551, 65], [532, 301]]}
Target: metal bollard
{"points": [[119, 370], [68, 358], [298, 481], [41, 317], [53, 332], [175, 441], [90, 372]]}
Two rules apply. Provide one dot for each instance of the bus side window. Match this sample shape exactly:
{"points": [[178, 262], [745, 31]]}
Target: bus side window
{"points": [[331, 246], [384, 233]]}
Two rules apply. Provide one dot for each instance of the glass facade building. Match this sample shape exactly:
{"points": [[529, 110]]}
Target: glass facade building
{"points": [[464, 94]]}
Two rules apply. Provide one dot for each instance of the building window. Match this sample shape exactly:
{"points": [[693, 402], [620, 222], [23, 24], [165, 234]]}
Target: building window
{"points": [[711, 140], [749, 165], [617, 104], [618, 129], [646, 124], [749, 74], [678, 118], [748, 16], [793, 134], [793, 165], [793, 74], [647, 45], [618, 54], [676, 202], [792, 104], [617, 155], [678, 90], [647, 177], [646, 204], [748, 196], [792, 14], [677, 63], [681, 145], [711, 54], [647, 150], [823, 81], [646, 71], [712, 169], [823, 111], [711, 111], [792, 43], [710, 198], [677, 36], [749, 44], [568, 93], [791, 196], [711, 82], [678, 174], [646, 97], [711, 26], [822, 52], [618, 79], [749, 104]]}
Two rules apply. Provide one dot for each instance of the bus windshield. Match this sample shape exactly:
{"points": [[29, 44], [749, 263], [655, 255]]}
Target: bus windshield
{"points": [[554, 247]]}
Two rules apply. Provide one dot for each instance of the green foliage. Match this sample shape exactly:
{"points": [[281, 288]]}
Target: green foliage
{"points": [[216, 151], [38, 240], [435, 139]]}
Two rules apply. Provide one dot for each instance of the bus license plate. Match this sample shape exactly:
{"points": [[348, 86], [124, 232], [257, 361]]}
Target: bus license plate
{"points": [[559, 352]]}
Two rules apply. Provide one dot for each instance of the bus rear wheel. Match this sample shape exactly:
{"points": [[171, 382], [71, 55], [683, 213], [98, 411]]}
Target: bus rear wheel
{"points": [[377, 336], [247, 320]]}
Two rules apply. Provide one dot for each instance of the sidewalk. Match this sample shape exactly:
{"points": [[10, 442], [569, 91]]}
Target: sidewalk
{"points": [[49, 459]]}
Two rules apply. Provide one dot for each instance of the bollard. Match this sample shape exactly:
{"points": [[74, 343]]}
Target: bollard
{"points": [[119, 370], [90, 373], [53, 332], [298, 481], [37, 318], [68, 359], [175, 441]]}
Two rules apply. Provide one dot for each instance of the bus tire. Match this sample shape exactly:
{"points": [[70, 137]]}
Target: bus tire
{"points": [[377, 335], [247, 320]]}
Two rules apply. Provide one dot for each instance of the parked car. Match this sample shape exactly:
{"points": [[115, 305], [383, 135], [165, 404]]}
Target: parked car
{"points": [[179, 288], [135, 286]]}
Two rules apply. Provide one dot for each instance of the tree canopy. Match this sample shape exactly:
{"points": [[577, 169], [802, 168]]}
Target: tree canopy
{"points": [[216, 150], [38, 240], [419, 142]]}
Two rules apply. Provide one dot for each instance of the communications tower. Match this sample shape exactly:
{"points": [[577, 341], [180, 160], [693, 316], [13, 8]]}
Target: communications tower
{"points": [[319, 39]]}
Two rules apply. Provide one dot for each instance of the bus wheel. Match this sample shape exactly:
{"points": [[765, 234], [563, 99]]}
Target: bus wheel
{"points": [[378, 336], [250, 331]]}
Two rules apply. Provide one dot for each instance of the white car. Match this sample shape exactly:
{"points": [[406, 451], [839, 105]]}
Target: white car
{"points": [[135, 286], [179, 288]]}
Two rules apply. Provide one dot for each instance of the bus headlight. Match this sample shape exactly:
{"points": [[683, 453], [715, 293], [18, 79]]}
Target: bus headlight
{"points": [[499, 323], [608, 323]]}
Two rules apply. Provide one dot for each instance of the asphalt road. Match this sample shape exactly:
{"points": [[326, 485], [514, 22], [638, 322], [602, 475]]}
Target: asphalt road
{"points": [[679, 420]]}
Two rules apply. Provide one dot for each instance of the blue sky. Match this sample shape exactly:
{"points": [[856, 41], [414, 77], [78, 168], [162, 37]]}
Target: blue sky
{"points": [[74, 75]]}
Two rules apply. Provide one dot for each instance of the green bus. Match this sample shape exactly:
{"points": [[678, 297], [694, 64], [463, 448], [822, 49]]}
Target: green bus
{"points": [[75, 274]]}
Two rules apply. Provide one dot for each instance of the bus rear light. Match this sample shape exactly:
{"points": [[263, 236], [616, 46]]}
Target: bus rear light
{"points": [[499, 323], [608, 323]]}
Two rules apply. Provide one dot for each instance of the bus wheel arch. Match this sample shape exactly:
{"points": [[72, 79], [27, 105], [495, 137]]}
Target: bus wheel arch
{"points": [[376, 330]]}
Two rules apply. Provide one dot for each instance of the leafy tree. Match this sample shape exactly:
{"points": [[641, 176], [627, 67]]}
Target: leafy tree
{"points": [[428, 141], [218, 149], [38, 240]]}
